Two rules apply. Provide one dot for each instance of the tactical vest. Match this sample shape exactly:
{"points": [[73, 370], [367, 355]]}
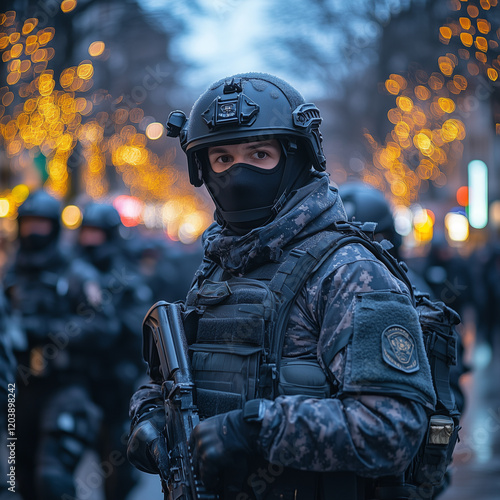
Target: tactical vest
{"points": [[236, 328]]}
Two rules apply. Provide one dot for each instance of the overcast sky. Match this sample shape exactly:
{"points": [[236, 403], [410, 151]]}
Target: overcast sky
{"points": [[225, 39]]}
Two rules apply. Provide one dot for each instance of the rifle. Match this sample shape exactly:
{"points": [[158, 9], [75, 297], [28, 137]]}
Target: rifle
{"points": [[168, 357]]}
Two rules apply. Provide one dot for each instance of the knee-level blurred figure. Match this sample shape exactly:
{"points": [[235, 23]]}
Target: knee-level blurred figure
{"points": [[117, 369], [58, 304], [8, 401]]}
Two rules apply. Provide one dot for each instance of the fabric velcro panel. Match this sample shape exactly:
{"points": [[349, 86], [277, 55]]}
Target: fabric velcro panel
{"points": [[387, 333]]}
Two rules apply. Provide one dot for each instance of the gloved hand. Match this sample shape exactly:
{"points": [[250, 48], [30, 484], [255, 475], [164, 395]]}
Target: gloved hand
{"points": [[147, 445], [219, 442]]}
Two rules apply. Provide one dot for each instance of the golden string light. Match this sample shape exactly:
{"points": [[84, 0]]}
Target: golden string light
{"points": [[476, 40], [425, 143], [44, 115], [422, 144]]}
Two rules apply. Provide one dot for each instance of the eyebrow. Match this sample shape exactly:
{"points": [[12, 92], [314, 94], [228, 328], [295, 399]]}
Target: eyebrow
{"points": [[222, 149], [217, 150]]}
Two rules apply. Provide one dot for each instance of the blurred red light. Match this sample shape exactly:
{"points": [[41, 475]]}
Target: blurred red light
{"points": [[130, 209], [463, 196]]}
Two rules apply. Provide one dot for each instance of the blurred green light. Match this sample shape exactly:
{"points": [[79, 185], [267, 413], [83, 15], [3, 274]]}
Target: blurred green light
{"points": [[478, 194]]}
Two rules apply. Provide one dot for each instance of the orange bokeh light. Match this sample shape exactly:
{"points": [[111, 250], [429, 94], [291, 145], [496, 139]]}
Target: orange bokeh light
{"points": [[463, 196]]}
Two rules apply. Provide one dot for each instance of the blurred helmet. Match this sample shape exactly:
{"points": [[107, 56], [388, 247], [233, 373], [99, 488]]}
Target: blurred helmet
{"points": [[365, 203], [102, 216], [247, 106], [41, 204], [105, 217]]}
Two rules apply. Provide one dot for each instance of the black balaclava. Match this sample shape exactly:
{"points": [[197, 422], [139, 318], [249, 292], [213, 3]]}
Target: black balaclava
{"points": [[101, 256], [37, 242], [247, 196]]}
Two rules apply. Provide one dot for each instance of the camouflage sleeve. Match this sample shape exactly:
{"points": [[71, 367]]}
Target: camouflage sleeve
{"points": [[369, 430], [369, 435]]}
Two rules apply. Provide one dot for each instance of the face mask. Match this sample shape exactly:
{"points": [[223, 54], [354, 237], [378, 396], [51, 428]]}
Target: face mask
{"points": [[245, 186], [35, 242], [247, 196], [100, 256]]}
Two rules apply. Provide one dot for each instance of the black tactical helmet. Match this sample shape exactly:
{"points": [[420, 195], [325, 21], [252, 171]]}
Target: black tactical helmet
{"points": [[105, 217], [367, 204], [102, 216], [41, 204], [249, 106]]}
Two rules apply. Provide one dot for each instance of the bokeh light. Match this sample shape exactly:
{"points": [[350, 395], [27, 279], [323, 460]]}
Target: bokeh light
{"points": [[457, 226], [71, 217]]}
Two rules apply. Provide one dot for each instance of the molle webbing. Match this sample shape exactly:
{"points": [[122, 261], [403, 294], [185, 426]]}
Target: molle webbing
{"points": [[242, 321]]}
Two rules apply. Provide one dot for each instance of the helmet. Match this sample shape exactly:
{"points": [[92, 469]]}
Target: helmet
{"points": [[43, 205], [247, 106], [102, 216], [106, 218], [365, 203], [40, 204]]}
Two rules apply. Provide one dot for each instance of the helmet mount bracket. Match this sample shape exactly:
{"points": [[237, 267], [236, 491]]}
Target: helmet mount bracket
{"points": [[230, 109]]}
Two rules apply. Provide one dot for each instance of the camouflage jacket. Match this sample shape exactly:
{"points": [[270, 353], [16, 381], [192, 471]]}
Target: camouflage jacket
{"points": [[375, 420]]}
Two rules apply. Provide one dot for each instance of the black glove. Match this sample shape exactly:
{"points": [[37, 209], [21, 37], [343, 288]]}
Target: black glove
{"points": [[221, 441], [147, 445]]}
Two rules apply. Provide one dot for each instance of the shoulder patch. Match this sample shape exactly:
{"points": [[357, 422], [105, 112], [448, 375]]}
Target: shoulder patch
{"points": [[399, 349]]}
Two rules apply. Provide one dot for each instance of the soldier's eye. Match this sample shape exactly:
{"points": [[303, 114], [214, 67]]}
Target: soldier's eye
{"points": [[260, 155], [225, 159]]}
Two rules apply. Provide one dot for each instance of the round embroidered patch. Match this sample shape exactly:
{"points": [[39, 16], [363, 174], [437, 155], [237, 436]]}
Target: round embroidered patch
{"points": [[399, 349]]}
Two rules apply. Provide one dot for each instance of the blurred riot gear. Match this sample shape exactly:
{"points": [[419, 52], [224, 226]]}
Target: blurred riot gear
{"points": [[41, 204], [250, 107], [63, 325], [103, 217], [364, 203], [119, 368], [39, 222], [70, 424]]}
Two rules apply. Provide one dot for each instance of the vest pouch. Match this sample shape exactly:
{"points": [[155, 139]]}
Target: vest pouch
{"points": [[225, 376], [435, 455], [302, 377]]}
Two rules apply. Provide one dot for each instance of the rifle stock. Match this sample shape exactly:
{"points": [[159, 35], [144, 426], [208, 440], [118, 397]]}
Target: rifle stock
{"points": [[166, 351]]}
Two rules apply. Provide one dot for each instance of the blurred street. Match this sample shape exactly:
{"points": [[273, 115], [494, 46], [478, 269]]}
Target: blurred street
{"points": [[476, 466]]}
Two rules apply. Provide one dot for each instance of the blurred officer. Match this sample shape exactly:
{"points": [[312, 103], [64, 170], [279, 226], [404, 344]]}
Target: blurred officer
{"points": [[119, 368], [58, 304], [364, 203], [305, 403], [167, 268]]}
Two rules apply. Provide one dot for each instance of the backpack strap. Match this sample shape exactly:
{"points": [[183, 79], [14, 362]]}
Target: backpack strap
{"points": [[304, 260]]}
